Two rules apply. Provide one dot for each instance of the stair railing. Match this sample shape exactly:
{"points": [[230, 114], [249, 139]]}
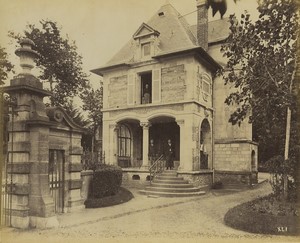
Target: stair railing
{"points": [[157, 167]]}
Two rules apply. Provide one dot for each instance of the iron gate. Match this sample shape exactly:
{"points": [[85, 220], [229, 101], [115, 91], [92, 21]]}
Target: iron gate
{"points": [[6, 195], [57, 178]]}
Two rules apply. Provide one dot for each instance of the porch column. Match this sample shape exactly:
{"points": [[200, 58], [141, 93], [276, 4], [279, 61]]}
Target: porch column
{"points": [[115, 143], [180, 123], [145, 126]]}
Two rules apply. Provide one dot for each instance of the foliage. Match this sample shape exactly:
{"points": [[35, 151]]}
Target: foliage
{"points": [[264, 215], [106, 181], [76, 114], [277, 169], [5, 66], [261, 59], [59, 62], [121, 197], [261, 67], [91, 160], [92, 104], [217, 185]]}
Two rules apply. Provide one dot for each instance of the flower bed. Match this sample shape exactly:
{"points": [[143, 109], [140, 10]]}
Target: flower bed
{"points": [[265, 215]]}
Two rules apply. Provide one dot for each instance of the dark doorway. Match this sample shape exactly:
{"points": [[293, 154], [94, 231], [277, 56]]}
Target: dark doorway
{"points": [[161, 132]]}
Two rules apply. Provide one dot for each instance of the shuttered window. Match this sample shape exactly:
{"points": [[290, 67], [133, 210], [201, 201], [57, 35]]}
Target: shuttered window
{"points": [[156, 86], [130, 89]]}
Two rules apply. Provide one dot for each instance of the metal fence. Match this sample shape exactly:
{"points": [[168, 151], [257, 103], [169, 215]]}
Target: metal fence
{"points": [[6, 195], [92, 160]]}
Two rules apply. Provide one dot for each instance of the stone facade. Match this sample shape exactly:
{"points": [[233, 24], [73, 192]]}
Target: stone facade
{"points": [[34, 134], [186, 105]]}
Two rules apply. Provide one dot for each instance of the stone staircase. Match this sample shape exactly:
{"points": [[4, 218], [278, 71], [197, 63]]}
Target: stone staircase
{"points": [[168, 184]]}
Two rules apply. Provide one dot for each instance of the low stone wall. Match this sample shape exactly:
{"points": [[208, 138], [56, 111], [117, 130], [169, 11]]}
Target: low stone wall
{"points": [[198, 178], [135, 177], [233, 177], [86, 177]]}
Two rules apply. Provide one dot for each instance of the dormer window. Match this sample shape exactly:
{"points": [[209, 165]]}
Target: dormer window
{"points": [[146, 39], [146, 49]]}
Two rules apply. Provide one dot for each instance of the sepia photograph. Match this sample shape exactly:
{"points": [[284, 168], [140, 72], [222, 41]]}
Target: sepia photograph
{"points": [[149, 121]]}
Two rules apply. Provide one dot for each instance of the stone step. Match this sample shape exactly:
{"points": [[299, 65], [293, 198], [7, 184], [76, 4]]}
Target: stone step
{"points": [[165, 172], [172, 189], [155, 184], [164, 177], [172, 194], [170, 181]]}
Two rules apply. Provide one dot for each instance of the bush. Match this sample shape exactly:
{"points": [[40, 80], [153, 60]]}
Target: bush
{"points": [[217, 185], [106, 181], [121, 197], [277, 168]]}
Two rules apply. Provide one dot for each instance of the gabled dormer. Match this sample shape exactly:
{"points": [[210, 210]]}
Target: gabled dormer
{"points": [[146, 42]]}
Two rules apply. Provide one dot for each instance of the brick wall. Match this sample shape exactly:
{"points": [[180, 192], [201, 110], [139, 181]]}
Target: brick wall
{"points": [[233, 157], [117, 91], [173, 83], [202, 28]]}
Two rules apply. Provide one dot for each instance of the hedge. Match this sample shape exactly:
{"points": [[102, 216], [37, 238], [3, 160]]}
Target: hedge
{"points": [[122, 196], [106, 181]]}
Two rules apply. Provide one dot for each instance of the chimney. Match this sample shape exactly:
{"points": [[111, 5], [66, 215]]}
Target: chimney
{"points": [[202, 24]]}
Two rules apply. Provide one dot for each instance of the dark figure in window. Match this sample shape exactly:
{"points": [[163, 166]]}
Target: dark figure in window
{"points": [[146, 95], [169, 153]]}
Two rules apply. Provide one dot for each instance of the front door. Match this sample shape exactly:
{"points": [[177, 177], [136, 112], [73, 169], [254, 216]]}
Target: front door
{"points": [[56, 178]]}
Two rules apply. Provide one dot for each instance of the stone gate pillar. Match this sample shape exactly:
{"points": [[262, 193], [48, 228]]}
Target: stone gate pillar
{"points": [[32, 204]]}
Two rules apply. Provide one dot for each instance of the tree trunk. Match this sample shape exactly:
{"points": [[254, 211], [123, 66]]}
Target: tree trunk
{"points": [[286, 153]]}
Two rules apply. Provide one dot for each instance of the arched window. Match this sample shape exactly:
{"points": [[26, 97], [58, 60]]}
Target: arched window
{"points": [[124, 138]]}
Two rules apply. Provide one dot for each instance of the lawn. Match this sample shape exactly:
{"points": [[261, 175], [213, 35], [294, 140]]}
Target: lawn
{"points": [[265, 215]]}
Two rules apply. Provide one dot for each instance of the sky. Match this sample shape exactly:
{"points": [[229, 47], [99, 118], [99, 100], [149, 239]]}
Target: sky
{"points": [[99, 27]]}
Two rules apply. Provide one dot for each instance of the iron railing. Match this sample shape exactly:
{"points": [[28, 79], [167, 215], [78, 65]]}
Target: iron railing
{"points": [[157, 167], [92, 160]]}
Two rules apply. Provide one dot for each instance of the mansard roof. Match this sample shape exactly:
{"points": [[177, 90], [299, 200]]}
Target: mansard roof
{"points": [[174, 33]]}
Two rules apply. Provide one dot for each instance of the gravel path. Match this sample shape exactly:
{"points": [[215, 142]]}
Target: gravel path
{"points": [[152, 218]]}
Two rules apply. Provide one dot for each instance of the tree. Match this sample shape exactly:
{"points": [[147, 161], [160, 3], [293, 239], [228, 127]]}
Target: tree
{"points": [[5, 66], [93, 104], [59, 62], [261, 66]]}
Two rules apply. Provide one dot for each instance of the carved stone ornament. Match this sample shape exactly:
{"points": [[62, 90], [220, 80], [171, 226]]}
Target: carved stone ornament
{"points": [[58, 116]]}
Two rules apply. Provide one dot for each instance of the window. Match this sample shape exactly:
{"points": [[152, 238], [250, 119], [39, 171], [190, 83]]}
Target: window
{"points": [[206, 86], [146, 88], [146, 49], [124, 138]]}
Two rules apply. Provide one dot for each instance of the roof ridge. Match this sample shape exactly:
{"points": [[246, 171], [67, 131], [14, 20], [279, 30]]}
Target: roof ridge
{"points": [[184, 25]]}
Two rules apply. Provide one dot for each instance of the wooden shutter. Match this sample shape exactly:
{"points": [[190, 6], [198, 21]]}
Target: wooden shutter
{"points": [[156, 86], [130, 89]]}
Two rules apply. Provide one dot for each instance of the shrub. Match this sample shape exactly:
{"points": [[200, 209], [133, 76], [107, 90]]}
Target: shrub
{"points": [[277, 167], [106, 181], [122, 196], [217, 185]]}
